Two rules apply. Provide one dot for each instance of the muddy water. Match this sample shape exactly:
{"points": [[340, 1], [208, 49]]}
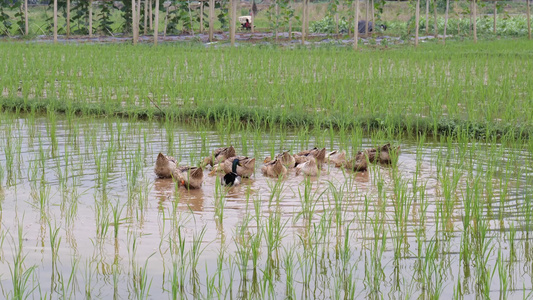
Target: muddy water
{"points": [[94, 220]]}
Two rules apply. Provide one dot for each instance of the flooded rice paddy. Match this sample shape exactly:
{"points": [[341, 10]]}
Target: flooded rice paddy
{"points": [[83, 215]]}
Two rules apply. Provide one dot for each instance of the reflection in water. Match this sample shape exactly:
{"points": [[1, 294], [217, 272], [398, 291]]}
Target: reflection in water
{"points": [[166, 190], [370, 233]]}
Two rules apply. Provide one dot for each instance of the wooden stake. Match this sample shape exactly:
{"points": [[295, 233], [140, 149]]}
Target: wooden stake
{"points": [[528, 19], [166, 22], [427, 17], [232, 20], [26, 27], [133, 14], [145, 17], [417, 19], [211, 19], [156, 25], [68, 18], [356, 24], [304, 20], [253, 17], [90, 18], [55, 21], [276, 10], [367, 4], [474, 19], [495, 16], [150, 14], [446, 21], [201, 17], [373, 17], [436, 28]]}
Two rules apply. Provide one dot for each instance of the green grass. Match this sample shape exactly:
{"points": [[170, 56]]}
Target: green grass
{"points": [[482, 89]]}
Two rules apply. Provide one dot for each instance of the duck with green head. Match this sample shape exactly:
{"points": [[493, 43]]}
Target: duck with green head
{"points": [[232, 178]]}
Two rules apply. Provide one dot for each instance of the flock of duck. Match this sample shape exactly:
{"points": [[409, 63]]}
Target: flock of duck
{"points": [[308, 162]]}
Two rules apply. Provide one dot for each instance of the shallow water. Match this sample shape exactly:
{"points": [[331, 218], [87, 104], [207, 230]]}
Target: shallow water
{"points": [[395, 232]]}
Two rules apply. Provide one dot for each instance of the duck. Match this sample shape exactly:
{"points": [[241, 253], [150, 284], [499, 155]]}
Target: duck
{"points": [[337, 157], [318, 154], [286, 159], [384, 153], [219, 155], [274, 168], [164, 165], [232, 178], [189, 177], [308, 168], [245, 168], [359, 163]]}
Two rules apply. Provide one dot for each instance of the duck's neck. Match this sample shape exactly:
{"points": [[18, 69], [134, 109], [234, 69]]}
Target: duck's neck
{"points": [[234, 167]]}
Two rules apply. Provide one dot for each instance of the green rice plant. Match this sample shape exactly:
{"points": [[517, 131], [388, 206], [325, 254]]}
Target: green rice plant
{"points": [[141, 284], [308, 199], [273, 233], [55, 242], [288, 265], [220, 202], [20, 274], [195, 252], [68, 288]]}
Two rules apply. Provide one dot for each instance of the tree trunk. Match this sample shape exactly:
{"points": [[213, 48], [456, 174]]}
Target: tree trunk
{"points": [[528, 19], [26, 25], [145, 17], [68, 18], [417, 20], [446, 21], [427, 17], [90, 18], [156, 23], [436, 27], [211, 19], [474, 19], [232, 21], [55, 21], [356, 24], [201, 17], [367, 13]]}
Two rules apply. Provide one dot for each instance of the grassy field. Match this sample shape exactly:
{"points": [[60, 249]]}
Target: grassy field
{"points": [[481, 89]]}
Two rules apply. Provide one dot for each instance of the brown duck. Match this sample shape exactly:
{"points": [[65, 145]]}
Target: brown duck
{"points": [[274, 168], [219, 155], [164, 165]]}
